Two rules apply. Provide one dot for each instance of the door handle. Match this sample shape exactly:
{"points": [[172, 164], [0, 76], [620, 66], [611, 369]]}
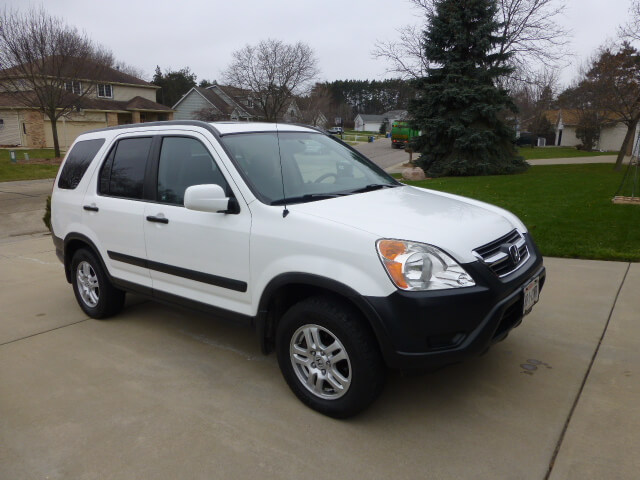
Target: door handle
{"points": [[151, 218], [90, 208]]}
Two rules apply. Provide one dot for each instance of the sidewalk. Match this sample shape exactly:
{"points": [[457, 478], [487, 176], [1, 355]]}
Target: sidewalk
{"points": [[397, 168]]}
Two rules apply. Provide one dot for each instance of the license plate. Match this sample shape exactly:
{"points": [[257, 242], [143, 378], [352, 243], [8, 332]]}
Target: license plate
{"points": [[531, 295]]}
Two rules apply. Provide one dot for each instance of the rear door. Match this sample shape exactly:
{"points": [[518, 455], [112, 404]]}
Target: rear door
{"points": [[114, 205], [200, 256]]}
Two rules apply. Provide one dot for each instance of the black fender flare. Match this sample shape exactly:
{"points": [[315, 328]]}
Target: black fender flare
{"points": [[67, 258], [331, 285]]}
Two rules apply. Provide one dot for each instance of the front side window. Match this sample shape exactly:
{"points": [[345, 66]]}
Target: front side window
{"points": [[185, 162], [300, 166], [105, 91], [78, 161], [73, 87], [122, 175]]}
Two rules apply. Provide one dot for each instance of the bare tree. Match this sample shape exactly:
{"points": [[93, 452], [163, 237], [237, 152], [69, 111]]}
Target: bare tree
{"points": [[615, 74], [47, 65], [209, 114], [274, 72], [608, 92], [631, 30], [130, 70], [534, 99], [315, 105], [585, 102], [529, 33]]}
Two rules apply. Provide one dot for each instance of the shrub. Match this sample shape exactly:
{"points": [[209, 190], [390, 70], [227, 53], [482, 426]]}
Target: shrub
{"points": [[47, 214]]}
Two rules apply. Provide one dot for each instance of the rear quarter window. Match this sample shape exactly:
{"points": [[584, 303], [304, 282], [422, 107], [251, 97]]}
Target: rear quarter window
{"points": [[78, 160]]}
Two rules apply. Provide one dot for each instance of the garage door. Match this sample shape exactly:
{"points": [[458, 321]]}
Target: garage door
{"points": [[9, 128]]}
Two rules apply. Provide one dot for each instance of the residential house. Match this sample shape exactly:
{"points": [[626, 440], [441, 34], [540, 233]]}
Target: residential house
{"points": [[372, 123], [367, 123], [395, 116], [565, 123], [224, 102], [118, 99], [314, 118]]}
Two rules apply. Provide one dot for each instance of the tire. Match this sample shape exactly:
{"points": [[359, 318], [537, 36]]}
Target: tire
{"points": [[337, 388], [95, 294]]}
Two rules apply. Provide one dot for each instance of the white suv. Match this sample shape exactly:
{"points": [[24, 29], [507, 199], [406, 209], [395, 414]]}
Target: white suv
{"points": [[340, 268]]}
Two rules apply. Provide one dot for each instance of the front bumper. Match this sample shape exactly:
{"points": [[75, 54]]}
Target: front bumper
{"points": [[432, 329]]}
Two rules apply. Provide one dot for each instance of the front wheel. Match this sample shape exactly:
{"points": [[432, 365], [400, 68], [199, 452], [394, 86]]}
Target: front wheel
{"points": [[329, 357]]}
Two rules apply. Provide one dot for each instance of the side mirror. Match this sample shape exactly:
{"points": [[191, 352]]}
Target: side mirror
{"points": [[206, 198]]}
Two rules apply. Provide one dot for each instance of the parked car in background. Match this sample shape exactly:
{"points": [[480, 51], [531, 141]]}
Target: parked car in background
{"points": [[341, 269], [337, 130]]}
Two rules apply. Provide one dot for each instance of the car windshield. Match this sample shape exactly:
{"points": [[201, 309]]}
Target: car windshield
{"points": [[314, 167]]}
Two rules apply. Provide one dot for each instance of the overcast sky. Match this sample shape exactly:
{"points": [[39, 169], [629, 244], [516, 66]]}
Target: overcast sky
{"points": [[201, 34]]}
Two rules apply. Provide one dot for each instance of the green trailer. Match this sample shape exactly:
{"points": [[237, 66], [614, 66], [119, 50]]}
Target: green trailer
{"points": [[402, 134]]}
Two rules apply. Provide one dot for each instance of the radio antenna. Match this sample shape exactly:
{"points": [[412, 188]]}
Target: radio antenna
{"points": [[285, 212]]}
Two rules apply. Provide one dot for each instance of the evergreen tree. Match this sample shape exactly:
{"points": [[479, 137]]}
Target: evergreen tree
{"points": [[173, 84], [459, 107]]}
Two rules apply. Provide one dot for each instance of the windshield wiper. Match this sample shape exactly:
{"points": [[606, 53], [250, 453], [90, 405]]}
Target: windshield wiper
{"points": [[371, 187], [309, 197]]}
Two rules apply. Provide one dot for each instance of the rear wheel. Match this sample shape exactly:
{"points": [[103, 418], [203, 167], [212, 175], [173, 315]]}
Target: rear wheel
{"points": [[329, 357], [95, 294]]}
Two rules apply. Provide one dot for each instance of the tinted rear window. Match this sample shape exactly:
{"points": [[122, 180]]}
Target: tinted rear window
{"points": [[78, 161], [123, 173]]}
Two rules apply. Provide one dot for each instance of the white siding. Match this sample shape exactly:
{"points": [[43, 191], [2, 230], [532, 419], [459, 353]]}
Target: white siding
{"points": [[569, 138], [371, 127], [189, 105], [361, 125], [10, 131], [611, 138]]}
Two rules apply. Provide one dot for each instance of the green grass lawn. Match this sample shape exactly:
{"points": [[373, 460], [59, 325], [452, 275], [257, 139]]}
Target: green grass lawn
{"points": [[530, 153], [567, 208], [16, 171]]}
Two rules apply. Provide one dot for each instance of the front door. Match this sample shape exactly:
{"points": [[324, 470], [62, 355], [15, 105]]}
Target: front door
{"points": [[199, 256]]}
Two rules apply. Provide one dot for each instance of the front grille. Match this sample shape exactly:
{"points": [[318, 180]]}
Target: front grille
{"points": [[499, 255]]}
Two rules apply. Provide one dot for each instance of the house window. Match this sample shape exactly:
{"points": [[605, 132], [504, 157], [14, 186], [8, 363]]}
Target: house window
{"points": [[73, 87], [250, 102], [104, 90], [1, 123]]}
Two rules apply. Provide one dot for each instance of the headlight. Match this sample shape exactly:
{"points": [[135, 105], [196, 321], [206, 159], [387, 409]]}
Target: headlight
{"points": [[417, 266]]}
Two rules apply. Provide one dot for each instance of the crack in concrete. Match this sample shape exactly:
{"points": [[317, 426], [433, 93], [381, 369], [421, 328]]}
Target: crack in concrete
{"points": [[584, 380], [23, 194], [43, 332], [41, 262]]}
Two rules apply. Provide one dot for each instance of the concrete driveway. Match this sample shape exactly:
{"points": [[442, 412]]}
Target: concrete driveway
{"points": [[162, 393], [22, 206]]}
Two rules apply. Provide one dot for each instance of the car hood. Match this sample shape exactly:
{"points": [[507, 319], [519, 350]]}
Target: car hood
{"points": [[455, 224]]}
